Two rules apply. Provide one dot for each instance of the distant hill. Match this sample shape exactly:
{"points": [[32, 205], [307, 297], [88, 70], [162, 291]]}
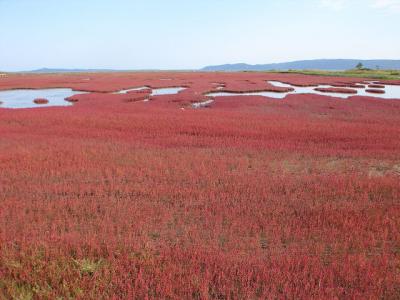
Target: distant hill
{"points": [[316, 64], [47, 70]]}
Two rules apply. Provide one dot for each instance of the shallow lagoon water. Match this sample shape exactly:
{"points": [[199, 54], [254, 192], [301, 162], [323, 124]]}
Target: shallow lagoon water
{"points": [[204, 103], [391, 92], [155, 92], [167, 91], [23, 98], [131, 90]]}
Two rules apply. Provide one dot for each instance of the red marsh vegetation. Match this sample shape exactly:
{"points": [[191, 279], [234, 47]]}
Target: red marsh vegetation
{"points": [[40, 101], [250, 198], [376, 86], [375, 91], [337, 90]]}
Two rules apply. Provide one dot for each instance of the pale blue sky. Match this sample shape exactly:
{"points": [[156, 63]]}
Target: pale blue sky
{"points": [[177, 34]]}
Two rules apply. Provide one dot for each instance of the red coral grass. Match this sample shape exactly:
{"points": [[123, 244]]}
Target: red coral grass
{"points": [[375, 91], [252, 198], [376, 86], [40, 101], [71, 99], [336, 90]]}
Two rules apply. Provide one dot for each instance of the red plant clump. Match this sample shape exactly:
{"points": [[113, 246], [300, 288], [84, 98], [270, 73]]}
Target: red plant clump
{"points": [[40, 101], [376, 86], [336, 90], [356, 86], [253, 198], [375, 91]]}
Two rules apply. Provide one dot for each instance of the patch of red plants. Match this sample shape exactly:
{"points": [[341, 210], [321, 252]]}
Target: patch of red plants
{"points": [[356, 86], [336, 90], [375, 91], [349, 85], [40, 101], [376, 86], [253, 198]]}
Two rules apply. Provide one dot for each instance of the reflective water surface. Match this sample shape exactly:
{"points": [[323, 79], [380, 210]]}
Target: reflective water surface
{"points": [[391, 91], [23, 98], [154, 92], [167, 91], [204, 103]]}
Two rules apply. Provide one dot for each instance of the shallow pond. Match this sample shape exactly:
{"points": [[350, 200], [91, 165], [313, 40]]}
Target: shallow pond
{"points": [[167, 91], [155, 92], [131, 90], [391, 92], [204, 103], [23, 98]]}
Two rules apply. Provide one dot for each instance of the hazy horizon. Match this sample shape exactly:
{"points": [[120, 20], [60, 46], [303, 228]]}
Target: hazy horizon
{"points": [[138, 35]]}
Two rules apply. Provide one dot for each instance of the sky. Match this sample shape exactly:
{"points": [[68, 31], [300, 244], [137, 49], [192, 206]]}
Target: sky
{"points": [[182, 34]]}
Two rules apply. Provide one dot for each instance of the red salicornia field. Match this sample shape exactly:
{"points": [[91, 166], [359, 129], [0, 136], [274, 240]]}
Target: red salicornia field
{"points": [[247, 197]]}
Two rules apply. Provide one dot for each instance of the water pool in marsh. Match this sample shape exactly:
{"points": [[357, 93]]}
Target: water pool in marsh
{"points": [[391, 91], [155, 92], [23, 98]]}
